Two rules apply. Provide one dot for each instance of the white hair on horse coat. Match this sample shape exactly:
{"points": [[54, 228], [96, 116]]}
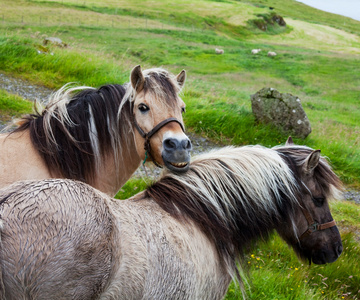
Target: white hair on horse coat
{"points": [[243, 165], [224, 180], [94, 137], [56, 107]]}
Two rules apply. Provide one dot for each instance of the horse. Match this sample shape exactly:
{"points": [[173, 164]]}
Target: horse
{"points": [[100, 136], [184, 237]]}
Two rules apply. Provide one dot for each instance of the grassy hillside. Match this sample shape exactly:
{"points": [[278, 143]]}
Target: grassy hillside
{"points": [[318, 60]]}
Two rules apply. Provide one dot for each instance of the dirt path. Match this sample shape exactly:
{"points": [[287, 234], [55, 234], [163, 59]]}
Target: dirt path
{"points": [[23, 88]]}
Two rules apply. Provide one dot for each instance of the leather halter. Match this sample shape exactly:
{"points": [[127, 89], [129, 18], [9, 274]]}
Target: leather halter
{"points": [[148, 135], [313, 226]]}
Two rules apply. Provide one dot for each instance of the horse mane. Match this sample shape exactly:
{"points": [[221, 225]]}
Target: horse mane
{"points": [[71, 139], [329, 183], [81, 126], [226, 190]]}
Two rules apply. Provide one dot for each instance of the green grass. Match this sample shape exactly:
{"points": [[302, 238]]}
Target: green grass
{"points": [[20, 56], [131, 188], [13, 106], [276, 273], [318, 60]]}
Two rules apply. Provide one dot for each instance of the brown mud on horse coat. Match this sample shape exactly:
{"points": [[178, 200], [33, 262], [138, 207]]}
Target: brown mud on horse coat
{"points": [[100, 136], [180, 239]]}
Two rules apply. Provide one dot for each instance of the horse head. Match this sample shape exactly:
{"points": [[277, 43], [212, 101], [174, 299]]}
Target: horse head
{"points": [[157, 118], [317, 237]]}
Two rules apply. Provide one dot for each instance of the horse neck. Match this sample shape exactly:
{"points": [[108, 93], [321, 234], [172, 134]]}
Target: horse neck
{"points": [[117, 169], [231, 229]]}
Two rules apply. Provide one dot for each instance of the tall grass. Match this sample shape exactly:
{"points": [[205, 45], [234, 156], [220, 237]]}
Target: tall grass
{"points": [[13, 106], [52, 66]]}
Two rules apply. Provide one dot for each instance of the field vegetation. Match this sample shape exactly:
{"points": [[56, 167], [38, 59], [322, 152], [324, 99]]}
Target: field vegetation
{"points": [[318, 60]]}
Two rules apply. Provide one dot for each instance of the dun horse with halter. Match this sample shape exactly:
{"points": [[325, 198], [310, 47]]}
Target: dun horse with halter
{"points": [[100, 136], [180, 239]]}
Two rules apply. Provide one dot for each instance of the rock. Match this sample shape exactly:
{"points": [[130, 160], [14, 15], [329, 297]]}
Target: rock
{"points": [[282, 110], [54, 41], [279, 19]]}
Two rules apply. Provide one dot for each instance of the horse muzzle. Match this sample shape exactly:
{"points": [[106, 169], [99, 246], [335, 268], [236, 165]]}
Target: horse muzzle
{"points": [[325, 256], [176, 154]]}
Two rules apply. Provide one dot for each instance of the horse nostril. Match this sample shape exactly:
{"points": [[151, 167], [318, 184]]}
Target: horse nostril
{"points": [[170, 144], [339, 249], [187, 144]]}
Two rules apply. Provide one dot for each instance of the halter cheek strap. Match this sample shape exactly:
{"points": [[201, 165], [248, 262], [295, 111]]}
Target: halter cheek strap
{"points": [[149, 134], [313, 226]]}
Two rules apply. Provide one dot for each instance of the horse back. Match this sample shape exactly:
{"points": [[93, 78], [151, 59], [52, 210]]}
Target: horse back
{"points": [[161, 257], [55, 243]]}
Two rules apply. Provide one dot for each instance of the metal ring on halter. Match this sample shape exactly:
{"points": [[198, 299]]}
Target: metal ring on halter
{"points": [[313, 226]]}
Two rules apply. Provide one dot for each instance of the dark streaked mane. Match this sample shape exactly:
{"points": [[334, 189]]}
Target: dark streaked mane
{"points": [[74, 131], [227, 189], [295, 155]]}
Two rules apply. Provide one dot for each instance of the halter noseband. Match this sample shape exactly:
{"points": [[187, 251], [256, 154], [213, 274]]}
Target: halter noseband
{"points": [[313, 226], [149, 134]]}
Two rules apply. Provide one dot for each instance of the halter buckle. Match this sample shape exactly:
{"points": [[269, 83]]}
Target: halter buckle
{"points": [[314, 227]]}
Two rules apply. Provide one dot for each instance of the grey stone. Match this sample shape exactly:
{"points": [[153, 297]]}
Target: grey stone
{"points": [[54, 41], [282, 110]]}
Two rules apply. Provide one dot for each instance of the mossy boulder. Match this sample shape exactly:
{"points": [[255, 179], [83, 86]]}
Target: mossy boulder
{"points": [[284, 111], [54, 41]]}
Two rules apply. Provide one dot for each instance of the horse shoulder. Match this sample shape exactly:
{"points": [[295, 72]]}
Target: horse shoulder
{"points": [[19, 160]]}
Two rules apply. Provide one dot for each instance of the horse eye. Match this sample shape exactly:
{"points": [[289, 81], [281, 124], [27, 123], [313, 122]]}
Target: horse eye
{"points": [[318, 201], [143, 107], [183, 110]]}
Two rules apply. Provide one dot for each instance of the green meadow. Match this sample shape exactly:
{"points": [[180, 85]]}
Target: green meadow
{"points": [[318, 59]]}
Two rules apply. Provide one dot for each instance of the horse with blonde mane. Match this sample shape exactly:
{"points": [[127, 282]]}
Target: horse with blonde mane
{"points": [[182, 238], [100, 136]]}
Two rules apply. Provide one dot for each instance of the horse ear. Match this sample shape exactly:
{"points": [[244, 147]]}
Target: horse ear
{"points": [[289, 141], [180, 78], [137, 79], [311, 162]]}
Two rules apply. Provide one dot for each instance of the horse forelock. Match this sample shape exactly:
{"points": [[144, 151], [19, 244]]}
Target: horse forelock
{"points": [[159, 84], [226, 190], [326, 178]]}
